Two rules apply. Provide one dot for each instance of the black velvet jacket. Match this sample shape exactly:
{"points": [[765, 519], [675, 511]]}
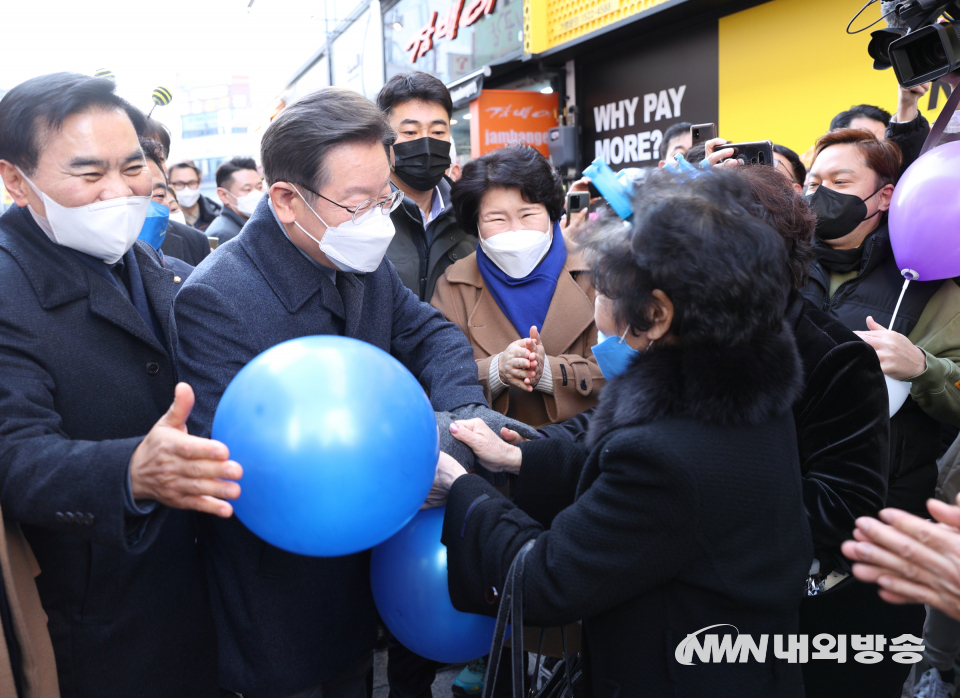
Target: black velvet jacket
{"points": [[843, 428], [684, 511]]}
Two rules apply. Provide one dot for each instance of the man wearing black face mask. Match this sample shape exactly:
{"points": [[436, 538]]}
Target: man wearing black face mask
{"points": [[428, 239], [857, 280]]}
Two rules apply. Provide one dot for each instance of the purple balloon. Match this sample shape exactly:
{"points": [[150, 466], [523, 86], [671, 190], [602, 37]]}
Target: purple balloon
{"points": [[925, 215]]}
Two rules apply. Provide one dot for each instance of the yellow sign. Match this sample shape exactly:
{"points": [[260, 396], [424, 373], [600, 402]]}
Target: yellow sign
{"points": [[787, 67], [588, 15], [550, 23]]}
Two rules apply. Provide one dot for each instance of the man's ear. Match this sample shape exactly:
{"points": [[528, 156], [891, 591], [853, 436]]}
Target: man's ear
{"points": [[885, 195], [16, 185], [224, 195], [282, 196]]}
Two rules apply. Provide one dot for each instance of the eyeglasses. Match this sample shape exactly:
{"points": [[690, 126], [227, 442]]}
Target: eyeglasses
{"points": [[387, 206], [192, 184]]}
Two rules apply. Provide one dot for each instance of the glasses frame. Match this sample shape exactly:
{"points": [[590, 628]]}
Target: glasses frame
{"points": [[180, 186], [376, 204]]}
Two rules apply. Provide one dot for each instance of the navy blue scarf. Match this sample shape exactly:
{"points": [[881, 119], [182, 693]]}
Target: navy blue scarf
{"points": [[526, 301]]}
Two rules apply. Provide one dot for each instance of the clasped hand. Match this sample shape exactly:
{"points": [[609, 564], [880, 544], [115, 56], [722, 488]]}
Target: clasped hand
{"points": [[493, 453], [521, 363]]}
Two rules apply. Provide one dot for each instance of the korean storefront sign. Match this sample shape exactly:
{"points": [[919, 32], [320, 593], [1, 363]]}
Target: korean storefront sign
{"points": [[459, 14], [631, 99], [504, 117]]}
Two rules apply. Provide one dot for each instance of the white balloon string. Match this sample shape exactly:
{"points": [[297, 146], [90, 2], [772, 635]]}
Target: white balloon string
{"points": [[896, 310]]}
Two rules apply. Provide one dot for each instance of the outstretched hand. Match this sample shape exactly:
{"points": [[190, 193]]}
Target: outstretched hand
{"points": [[912, 560], [448, 470], [182, 471], [492, 452]]}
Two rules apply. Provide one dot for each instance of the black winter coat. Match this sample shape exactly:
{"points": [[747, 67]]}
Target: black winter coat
{"points": [[185, 243], [842, 423], [420, 263], [914, 435], [209, 210], [686, 512], [843, 428], [84, 379], [287, 622]]}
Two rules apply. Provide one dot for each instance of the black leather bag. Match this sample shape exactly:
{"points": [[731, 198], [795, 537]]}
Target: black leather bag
{"points": [[567, 679]]}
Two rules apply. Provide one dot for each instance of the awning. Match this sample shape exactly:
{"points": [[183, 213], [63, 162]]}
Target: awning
{"points": [[466, 89]]}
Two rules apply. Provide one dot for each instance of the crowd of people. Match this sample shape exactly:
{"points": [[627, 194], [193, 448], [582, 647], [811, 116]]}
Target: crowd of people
{"points": [[681, 422]]}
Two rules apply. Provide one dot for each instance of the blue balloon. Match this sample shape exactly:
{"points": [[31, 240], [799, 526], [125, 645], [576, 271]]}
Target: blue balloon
{"points": [[338, 444], [408, 575]]}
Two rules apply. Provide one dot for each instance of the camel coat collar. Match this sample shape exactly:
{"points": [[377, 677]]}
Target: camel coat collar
{"points": [[569, 316]]}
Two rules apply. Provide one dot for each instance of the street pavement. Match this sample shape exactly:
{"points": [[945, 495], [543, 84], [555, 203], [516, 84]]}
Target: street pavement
{"points": [[441, 687]]}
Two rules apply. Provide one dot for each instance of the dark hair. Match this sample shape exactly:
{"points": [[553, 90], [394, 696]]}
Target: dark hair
{"points": [[295, 146], [671, 134], [724, 269], [159, 133], [42, 104], [696, 154], [861, 111], [512, 167], [414, 86], [799, 169], [226, 171], [153, 150], [189, 164], [774, 200], [883, 157]]}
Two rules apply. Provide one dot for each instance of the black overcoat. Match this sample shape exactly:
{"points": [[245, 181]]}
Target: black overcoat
{"points": [[682, 511]]}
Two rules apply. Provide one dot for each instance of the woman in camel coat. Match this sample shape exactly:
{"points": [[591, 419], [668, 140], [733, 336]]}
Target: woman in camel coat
{"points": [[27, 667], [523, 299]]}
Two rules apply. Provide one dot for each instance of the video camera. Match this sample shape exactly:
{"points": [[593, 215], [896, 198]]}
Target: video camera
{"points": [[919, 49]]}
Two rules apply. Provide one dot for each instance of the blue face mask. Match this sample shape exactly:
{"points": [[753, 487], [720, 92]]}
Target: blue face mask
{"points": [[154, 228], [613, 354]]}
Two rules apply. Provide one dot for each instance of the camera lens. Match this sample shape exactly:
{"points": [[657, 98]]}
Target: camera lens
{"points": [[927, 55]]}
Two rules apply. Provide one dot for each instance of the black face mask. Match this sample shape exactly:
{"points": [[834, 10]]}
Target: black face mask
{"points": [[421, 163], [838, 214]]}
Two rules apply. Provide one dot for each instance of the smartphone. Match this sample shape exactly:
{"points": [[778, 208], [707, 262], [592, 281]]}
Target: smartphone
{"points": [[702, 133], [577, 201], [754, 153]]}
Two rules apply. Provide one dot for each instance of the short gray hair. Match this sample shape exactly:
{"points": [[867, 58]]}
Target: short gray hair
{"points": [[296, 144]]}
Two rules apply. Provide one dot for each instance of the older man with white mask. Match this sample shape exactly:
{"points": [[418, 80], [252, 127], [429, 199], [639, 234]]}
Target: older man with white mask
{"points": [[310, 261], [92, 461]]}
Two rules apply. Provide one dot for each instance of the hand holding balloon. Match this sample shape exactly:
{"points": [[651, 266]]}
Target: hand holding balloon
{"points": [[492, 452], [448, 470], [899, 357]]}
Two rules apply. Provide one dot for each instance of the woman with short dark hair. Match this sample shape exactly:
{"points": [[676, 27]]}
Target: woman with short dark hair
{"points": [[522, 299], [681, 518]]}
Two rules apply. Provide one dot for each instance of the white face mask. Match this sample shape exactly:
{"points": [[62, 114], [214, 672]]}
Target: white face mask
{"points": [[247, 204], [517, 252], [179, 217], [188, 197], [103, 229], [355, 247]]}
